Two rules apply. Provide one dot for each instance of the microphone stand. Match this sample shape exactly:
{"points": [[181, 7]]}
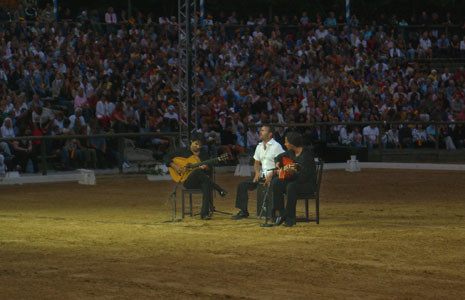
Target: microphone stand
{"points": [[265, 205], [173, 196]]}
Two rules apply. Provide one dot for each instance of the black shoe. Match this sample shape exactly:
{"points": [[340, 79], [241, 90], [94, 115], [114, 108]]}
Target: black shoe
{"points": [[240, 215], [223, 193], [279, 220], [289, 222], [205, 218], [273, 216]]}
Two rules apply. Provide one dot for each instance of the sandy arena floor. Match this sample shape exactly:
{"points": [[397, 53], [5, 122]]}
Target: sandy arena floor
{"points": [[383, 234]]}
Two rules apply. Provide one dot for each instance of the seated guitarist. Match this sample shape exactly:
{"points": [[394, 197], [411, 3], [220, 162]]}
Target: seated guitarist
{"points": [[298, 180], [200, 177]]}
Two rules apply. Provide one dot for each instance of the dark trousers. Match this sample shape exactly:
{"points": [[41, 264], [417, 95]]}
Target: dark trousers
{"points": [[293, 190], [22, 158], [198, 179], [242, 196]]}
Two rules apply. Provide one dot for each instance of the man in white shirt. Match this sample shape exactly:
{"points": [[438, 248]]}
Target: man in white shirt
{"points": [[252, 137], [264, 156], [171, 114], [6, 131], [77, 115], [371, 133]]}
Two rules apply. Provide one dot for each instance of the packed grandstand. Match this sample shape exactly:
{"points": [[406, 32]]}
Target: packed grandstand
{"points": [[95, 73]]}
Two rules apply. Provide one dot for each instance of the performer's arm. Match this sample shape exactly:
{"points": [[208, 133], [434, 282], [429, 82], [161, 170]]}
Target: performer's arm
{"points": [[168, 159], [279, 158], [306, 168], [256, 167]]}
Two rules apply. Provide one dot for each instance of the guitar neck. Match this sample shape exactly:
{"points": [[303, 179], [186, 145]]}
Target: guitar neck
{"points": [[205, 162]]}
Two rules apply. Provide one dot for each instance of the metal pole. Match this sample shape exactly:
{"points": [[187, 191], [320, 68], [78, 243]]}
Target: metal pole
{"points": [[189, 70], [348, 12], [202, 13], [380, 139], [120, 154], [55, 9], [43, 153]]}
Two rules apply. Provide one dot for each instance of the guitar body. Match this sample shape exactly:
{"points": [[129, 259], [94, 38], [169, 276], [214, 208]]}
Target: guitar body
{"points": [[286, 171], [190, 164], [183, 162]]}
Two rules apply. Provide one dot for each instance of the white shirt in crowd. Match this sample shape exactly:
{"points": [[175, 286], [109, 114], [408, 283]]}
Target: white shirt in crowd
{"points": [[72, 120], [103, 109], [266, 156], [419, 135], [372, 133], [7, 132], [343, 136], [110, 18], [462, 45], [171, 115], [59, 124], [425, 43]]}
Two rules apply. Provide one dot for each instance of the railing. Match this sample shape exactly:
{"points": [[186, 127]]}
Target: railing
{"points": [[381, 125], [120, 136], [173, 137]]}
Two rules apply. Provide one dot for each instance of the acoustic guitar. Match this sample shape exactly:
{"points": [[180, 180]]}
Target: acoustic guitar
{"points": [[190, 164], [288, 168]]}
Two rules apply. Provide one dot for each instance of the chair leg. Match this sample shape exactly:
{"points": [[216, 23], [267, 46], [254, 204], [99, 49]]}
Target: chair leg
{"points": [[190, 203], [182, 204], [306, 209], [317, 206]]}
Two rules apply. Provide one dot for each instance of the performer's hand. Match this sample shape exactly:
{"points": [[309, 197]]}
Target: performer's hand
{"points": [[256, 178], [292, 168], [278, 165], [177, 168], [204, 167]]}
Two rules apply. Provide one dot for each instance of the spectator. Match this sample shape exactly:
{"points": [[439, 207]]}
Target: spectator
{"points": [[253, 138], [330, 20], [425, 46], [420, 137], [110, 16], [23, 151], [171, 113], [458, 136], [370, 135], [356, 137], [391, 138], [406, 137]]}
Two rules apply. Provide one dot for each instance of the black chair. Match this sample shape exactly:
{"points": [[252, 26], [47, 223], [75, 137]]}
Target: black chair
{"points": [[190, 192], [315, 195]]}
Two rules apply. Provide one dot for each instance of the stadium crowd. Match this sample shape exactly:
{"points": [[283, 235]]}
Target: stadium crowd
{"points": [[113, 73]]}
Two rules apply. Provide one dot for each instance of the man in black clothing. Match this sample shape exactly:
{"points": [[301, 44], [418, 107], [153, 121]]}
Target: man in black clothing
{"points": [[301, 182], [200, 177], [405, 136]]}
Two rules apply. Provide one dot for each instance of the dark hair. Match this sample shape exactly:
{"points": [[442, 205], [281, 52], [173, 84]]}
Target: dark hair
{"points": [[195, 137], [294, 138]]}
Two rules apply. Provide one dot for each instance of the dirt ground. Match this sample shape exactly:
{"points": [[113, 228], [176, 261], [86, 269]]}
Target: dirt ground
{"points": [[383, 234]]}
